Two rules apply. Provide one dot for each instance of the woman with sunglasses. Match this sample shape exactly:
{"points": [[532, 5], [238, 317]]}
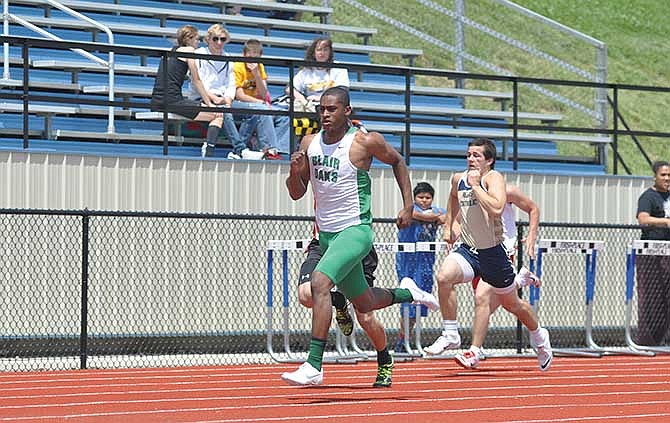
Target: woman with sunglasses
{"points": [[219, 80]]}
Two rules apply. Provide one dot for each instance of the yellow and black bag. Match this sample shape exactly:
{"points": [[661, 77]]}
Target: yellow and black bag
{"points": [[305, 126]]}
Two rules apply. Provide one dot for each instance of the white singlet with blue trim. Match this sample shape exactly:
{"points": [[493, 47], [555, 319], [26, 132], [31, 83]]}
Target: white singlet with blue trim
{"points": [[478, 229], [341, 191], [509, 227]]}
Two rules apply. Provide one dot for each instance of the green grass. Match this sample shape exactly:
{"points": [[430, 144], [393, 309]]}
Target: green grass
{"points": [[636, 35]]}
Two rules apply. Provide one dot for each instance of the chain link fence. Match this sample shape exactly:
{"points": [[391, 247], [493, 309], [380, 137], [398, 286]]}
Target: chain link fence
{"points": [[108, 289]]}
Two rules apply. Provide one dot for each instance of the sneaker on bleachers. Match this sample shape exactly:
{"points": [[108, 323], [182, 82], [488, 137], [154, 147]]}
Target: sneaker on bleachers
{"points": [[272, 154], [443, 343], [306, 375], [207, 150], [468, 359], [252, 155], [419, 295], [526, 278], [233, 156]]}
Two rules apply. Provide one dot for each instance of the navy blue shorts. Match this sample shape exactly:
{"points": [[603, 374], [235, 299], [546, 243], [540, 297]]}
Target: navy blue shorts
{"points": [[496, 266], [470, 255]]}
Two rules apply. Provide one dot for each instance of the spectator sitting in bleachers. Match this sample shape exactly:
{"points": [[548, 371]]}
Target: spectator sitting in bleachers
{"points": [[252, 92], [310, 82], [275, 14], [219, 81], [167, 91], [287, 16]]}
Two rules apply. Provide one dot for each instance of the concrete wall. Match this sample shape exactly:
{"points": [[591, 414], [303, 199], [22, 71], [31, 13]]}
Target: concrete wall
{"points": [[64, 181]]}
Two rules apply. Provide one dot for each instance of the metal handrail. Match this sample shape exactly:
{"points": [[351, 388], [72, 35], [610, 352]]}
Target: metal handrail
{"points": [[601, 59], [7, 17], [599, 109]]}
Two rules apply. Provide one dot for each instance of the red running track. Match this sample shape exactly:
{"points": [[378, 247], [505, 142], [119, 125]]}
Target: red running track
{"points": [[608, 389]]}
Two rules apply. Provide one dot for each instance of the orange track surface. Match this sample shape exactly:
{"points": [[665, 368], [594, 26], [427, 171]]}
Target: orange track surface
{"points": [[613, 388]]}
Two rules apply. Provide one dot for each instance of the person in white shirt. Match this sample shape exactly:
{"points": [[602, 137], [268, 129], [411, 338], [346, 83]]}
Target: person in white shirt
{"points": [[310, 82], [219, 81]]}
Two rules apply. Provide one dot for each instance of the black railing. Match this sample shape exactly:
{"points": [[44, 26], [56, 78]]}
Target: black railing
{"points": [[408, 73]]}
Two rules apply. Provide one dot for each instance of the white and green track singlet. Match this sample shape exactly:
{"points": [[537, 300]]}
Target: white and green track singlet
{"points": [[341, 191]]}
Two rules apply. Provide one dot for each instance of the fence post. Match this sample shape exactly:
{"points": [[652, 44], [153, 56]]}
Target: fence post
{"points": [[519, 263], [615, 135], [83, 337], [601, 98], [515, 129], [460, 39], [26, 93], [164, 77], [406, 143], [326, 3]]}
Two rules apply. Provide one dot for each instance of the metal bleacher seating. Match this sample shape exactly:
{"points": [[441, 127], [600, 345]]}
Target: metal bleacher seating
{"points": [[143, 22], [190, 13]]}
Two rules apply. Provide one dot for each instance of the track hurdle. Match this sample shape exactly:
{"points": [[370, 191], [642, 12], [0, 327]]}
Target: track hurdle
{"points": [[424, 247], [283, 246], [342, 355], [391, 248], [641, 248], [589, 249]]}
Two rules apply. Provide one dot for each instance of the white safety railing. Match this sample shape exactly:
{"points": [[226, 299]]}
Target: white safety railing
{"points": [[8, 17], [600, 74], [598, 111]]}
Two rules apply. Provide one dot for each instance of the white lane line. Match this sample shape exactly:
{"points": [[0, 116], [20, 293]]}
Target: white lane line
{"points": [[312, 417], [334, 402], [471, 378]]}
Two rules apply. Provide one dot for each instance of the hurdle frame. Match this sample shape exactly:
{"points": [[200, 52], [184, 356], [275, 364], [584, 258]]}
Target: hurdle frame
{"points": [[342, 354], [384, 248], [589, 248], [423, 247], [434, 246], [641, 247]]}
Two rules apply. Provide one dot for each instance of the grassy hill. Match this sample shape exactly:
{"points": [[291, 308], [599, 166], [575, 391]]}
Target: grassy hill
{"points": [[635, 32]]}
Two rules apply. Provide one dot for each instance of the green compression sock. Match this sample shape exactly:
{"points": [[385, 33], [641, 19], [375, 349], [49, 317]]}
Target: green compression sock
{"points": [[316, 347], [401, 295]]}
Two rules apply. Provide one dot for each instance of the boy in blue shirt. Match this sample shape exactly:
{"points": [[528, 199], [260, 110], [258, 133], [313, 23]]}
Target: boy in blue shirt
{"points": [[419, 265]]}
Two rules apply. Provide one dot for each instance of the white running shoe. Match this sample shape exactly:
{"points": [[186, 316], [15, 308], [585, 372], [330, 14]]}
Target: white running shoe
{"points": [[252, 155], [544, 353], [233, 156], [419, 295], [306, 375], [526, 278], [442, 344], [468, 359]]}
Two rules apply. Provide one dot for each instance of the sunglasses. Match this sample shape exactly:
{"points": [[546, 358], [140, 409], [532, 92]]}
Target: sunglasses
{"points": [[217, 39]]}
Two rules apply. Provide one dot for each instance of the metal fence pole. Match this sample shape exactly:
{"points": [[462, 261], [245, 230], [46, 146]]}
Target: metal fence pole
{"points": [[83, 337], [326, 3], [460, 39], [26, 90], [408, 116]]}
